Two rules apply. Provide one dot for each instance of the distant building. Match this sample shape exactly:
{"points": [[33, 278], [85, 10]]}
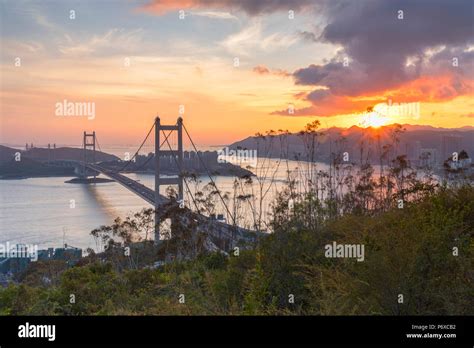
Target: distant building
{"points": [[463, 162], [68, 253], [17, 263], [413, 150], [428, 157], [450, 144], [460, 164], [46, 254], [9, 266]]}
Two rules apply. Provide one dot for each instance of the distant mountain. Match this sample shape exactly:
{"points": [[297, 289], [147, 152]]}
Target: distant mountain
{"points": [[38, 162], [414, 140], [410, 127], [41, 162], [60, 153], [28, 167], [6, 153]]}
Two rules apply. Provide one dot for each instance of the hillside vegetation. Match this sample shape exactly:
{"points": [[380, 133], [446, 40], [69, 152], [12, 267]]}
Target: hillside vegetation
{"points": [[408, 252]]}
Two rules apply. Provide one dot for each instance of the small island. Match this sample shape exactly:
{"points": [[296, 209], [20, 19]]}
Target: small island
{"points": [[66, 162]]}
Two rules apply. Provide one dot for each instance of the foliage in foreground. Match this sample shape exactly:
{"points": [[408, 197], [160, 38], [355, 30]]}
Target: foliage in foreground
{"points": [[408, 251]]}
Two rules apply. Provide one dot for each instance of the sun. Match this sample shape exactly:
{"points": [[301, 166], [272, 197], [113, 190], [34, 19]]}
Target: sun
{"points": [[373, 119]]}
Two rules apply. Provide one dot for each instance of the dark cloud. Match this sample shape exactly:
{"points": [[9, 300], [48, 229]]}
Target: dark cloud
{"points": [[386, 53], [443, 62], [318, 95], [308, 35], [314, 74]]}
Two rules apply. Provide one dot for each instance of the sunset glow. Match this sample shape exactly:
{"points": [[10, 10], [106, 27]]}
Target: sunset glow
{"points": [[374, 120], [235, 68]]}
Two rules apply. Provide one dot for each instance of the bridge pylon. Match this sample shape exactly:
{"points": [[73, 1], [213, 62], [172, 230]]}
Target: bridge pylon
{"points": [[178, 156], [88, 142]]}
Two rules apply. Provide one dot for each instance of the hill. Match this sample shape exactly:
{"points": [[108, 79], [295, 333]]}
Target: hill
{"points": [[40, 162], [27, 168], [412, 141], [7, 153], [60, 153]]}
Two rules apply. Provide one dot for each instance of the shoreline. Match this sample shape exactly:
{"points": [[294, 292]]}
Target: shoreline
{"points": [[23, 177]]}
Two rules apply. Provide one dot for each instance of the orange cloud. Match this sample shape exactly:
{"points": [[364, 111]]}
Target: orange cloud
{"points": [[249, 7], [162, 7], [263, 70], [331, 105], [430, 89], [433, 89]]}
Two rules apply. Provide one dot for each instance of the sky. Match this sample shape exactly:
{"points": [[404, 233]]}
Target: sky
{"points": [[233, 68]]}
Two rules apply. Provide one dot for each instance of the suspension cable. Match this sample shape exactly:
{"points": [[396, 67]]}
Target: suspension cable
{"points": [[187, 186], [136, 153], [98, 145], [151, 157], [210, 177], [184, 179]]}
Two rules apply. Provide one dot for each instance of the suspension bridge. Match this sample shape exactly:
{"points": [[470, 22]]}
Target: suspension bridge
{"points": [[222, 235]]}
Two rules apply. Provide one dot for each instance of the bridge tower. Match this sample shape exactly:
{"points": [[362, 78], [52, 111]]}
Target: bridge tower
{"points": [[89, 144], [178, 155]]}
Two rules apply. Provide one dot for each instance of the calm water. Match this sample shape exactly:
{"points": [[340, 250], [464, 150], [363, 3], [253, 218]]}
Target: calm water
{"points": [[38, 210]]}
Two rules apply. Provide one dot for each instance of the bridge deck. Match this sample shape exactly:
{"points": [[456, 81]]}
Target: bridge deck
{"points": [[216, 229], [139, 189]]}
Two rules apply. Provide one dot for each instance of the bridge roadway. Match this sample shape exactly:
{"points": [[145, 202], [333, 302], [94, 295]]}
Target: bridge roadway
{"points": [[139, 189], [222, 235]]}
